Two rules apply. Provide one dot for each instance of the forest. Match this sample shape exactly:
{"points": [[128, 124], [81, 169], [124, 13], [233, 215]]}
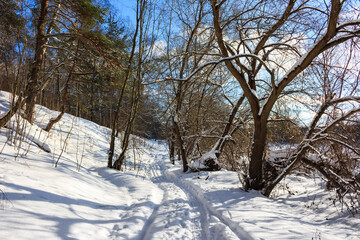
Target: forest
{"points": [[223, 82]]}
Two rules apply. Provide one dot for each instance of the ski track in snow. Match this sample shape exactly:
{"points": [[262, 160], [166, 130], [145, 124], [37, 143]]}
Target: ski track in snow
{"points": [[184, 213], [175, 217]]}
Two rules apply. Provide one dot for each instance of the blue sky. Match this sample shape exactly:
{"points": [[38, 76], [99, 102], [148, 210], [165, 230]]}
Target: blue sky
{"points": [[127, 8]]}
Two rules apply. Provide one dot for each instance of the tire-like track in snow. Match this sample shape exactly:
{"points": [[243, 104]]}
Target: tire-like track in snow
{"points": [[175, 217], [184, 213], [208, 210]]}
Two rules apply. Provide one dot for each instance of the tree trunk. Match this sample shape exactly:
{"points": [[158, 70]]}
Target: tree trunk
{"points": [[13, 109], [136, 88], [32, 88], [255, 180], [130, 123], [92, 103], [180, 141], [172, 149], [114, 127], [176, 127]]}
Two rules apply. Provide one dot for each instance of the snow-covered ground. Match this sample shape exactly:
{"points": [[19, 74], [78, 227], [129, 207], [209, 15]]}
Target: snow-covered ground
{"points": [[82, 199]]}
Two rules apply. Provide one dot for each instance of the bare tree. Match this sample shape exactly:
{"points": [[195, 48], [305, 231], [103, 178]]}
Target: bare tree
{"points": [[137, 42], [191, 20], [262, 36], [330, 145]]}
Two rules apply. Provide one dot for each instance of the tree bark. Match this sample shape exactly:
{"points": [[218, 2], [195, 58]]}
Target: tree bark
{"points": [[181, 152], [13, 109], [32, 88], [255, 180]]}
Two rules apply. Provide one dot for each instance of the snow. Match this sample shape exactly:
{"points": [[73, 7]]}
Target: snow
{"points": [[82, 199], [202, 162]]}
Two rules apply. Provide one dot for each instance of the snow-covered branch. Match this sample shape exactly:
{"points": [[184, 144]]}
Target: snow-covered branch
{"points": [[322, 110], [349, 23], [311, 137]]}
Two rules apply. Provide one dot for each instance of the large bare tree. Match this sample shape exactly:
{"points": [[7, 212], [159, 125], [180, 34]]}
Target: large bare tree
{"points": [[272, 44]]}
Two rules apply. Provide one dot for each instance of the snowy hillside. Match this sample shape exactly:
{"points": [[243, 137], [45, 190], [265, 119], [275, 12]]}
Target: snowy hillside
{"points": [[82, 199]]}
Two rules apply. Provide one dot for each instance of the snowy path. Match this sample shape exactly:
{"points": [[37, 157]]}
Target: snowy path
{"points": [[183, 212], [155, 201], [175, 217]]}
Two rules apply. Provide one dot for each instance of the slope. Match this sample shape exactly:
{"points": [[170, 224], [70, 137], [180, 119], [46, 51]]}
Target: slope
{"points": [[82, 199]]}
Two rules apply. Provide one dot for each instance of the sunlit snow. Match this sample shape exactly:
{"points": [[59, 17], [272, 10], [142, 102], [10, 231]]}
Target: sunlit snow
{"points": [[82, 199]]}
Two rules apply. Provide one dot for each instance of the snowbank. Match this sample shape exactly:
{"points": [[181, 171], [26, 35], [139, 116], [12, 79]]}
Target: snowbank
{"points": [[42, 202], [82, 199]]}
